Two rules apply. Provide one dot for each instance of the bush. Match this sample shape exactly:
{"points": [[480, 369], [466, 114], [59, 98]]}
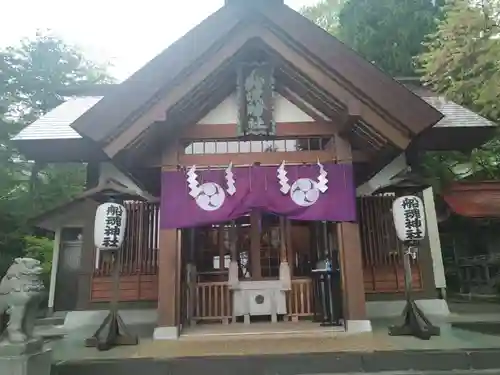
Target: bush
{"points": [[41, 248]]}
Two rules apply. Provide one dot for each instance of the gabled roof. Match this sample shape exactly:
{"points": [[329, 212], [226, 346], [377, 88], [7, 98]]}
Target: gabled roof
{"points": [[146, 87], [459, 130]]}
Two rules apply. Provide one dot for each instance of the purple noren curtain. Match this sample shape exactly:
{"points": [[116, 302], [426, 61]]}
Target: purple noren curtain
{"points": [[258, 187]]}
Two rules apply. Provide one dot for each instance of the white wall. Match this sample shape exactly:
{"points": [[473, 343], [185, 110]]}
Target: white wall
{"points": [[226, 112]]}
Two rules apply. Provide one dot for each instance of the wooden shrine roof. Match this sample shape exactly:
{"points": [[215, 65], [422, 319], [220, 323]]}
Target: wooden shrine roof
{"points": [[141, 91]]}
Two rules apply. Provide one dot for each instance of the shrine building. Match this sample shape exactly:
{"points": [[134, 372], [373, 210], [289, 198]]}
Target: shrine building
{"points": [[246, 153]]}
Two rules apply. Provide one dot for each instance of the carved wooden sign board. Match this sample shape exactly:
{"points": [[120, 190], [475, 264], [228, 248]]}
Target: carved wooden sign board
{"points": [[255, 92]]}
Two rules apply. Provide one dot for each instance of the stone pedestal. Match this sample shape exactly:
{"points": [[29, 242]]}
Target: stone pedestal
{"points": [[29, 358]]}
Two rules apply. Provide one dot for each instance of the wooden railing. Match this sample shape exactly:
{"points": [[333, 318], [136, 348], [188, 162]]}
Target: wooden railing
{"points": [[139, 264], [382, 263], [213, 302], [299, 300]]}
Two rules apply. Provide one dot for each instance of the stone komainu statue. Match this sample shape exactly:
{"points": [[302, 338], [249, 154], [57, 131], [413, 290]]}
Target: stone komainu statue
{"points": [[20, 293]]}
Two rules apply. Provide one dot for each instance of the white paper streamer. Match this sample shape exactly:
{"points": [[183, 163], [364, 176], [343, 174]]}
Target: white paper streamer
{"points": [[193, 184], [283, 179], [231, 187], [322, 184]]}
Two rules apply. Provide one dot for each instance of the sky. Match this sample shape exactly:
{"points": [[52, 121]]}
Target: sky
{"points": [[125, 33]]}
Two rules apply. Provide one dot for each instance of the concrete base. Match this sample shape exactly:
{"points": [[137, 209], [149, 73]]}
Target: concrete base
{"points": [[358, 326], [166, 333], [25, 359], [389, 309]]}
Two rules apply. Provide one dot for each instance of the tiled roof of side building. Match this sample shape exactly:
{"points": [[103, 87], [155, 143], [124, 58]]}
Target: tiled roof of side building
{"points": [[456, 115], [56, 124]]}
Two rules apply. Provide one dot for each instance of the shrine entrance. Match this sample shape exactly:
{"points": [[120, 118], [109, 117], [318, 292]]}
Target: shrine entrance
{"points": [[258, 239], [261, 243]]}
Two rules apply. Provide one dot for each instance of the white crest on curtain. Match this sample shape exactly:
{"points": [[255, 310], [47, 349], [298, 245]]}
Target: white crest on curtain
{"points": [[193, 184], [231, 187], [209, 196], [304, 191], [283, 179]]}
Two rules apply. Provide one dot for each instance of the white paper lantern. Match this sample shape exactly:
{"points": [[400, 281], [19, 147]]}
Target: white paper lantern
{"points": [[409, 218], [109, 227]]}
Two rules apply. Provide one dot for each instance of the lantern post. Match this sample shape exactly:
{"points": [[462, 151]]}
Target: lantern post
{"points": [[109, 231], [409, 220]]}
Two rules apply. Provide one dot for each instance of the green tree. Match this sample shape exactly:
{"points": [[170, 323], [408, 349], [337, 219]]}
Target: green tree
{"points": [[31, 75], [40, 248], [389, 33], [325, 14], [462, 62]]}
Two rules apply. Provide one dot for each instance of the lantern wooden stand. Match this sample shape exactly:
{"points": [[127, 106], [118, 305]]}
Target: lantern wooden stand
{"points": [[415, 322], [112, 331]]}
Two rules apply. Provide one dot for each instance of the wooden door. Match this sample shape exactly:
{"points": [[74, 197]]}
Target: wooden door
{"points": [[67, 276]]}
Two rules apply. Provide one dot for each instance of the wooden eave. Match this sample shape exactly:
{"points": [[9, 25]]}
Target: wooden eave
{"points": [[302, 76], [206, 97], [381, 95], [152, 81], [111, 186], [372, 84], [61, 150]]}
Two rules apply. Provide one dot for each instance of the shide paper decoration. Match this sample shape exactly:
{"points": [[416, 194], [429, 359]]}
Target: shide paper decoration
{"points": [[194, 186], [231, 187], [322, 184], [283, 179], [303, 192]]}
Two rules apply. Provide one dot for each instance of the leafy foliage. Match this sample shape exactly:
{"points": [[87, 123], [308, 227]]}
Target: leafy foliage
{"points": [[462, 62], [325, 14], [463, 56], [33, 72], [31, 75], [454, 44], [389, 33], [40, 248]]}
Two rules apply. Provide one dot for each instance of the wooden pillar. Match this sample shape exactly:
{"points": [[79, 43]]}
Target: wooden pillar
{"points": [[285, 271], [350, 252], [168, 285], [254, 255], [352, 271], [283, 240], [233, 273], [291, 254], [55, 266]]}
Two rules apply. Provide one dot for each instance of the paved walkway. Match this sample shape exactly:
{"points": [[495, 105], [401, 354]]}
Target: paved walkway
{"points": [[72, 348]]}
